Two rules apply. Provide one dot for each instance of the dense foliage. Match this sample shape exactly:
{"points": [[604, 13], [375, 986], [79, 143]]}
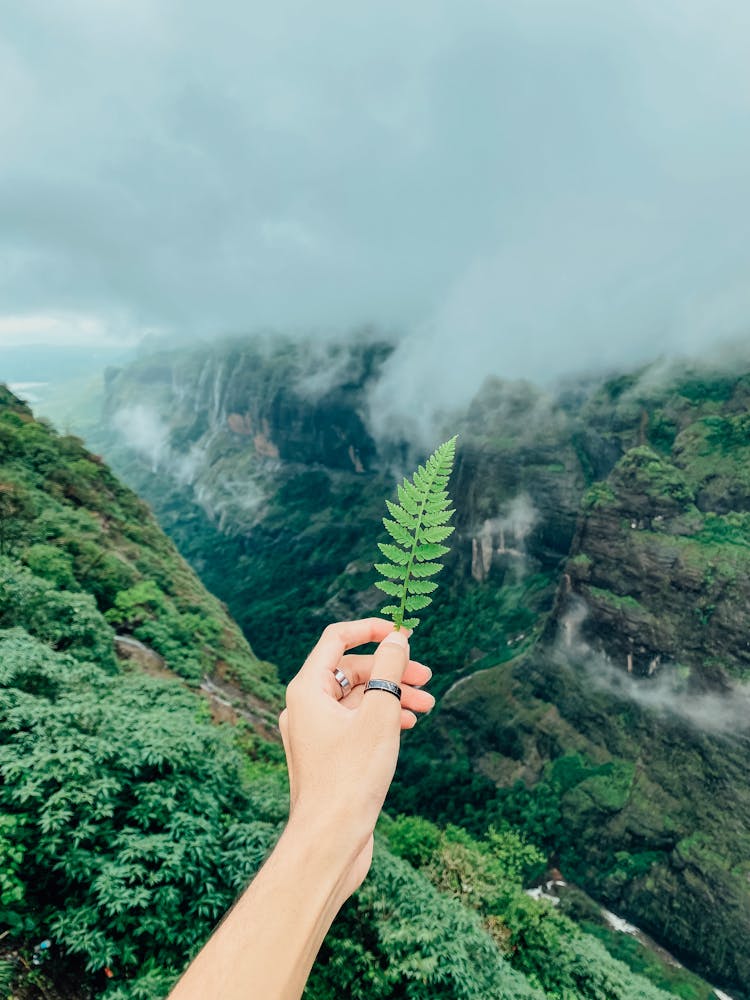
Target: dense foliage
{"points": [[80, 541], [629, 497], [127, 809], [129, 821]]}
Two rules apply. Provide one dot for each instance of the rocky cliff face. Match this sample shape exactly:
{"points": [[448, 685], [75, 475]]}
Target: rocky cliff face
{"points": [[225, 420], [661, 557], [592, 622], [627, 724]]}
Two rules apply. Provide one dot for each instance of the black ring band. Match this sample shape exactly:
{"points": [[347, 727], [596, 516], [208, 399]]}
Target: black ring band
{"points": [[378, 685]]}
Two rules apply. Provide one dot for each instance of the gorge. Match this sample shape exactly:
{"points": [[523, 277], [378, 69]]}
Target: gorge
{"points": [[594, 613]]}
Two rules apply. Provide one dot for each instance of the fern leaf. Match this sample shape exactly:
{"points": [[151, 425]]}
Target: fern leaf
{"points": [[436, 505], [430, 551], [394, 553], [391, 571], [418, 524], [398, 532], [425, 568], [400, 515], [435, 517], [417, 601], [438, 534], [409, 499]]}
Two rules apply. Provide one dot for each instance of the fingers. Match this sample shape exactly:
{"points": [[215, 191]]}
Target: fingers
{"points": [[412, 702], [408, 719], [389, 664], [417, 701], [337, 638], [358, 668], [391, 657]]}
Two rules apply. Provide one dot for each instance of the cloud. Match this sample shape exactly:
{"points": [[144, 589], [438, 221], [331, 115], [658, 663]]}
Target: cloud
{"points": [[71, 329], [142, 429], [522, 189], [667, 691], [504, 535], [228, 500]]}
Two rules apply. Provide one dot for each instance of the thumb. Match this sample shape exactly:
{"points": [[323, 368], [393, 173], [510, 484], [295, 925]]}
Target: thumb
{"points": [[392, 657]]}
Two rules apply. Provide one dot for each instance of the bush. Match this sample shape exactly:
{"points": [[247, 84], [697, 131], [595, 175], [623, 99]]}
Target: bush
{"points": [[137, 830], [180, 637], [65, 620], [51, 563]]}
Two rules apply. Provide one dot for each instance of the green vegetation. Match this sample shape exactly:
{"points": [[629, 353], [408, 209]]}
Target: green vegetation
{"points": [[652, 472], [598, 495], [608, 785], [126, 815], [644, 962], [75, 545], [487, 875], [129, 821], [418, 528]]}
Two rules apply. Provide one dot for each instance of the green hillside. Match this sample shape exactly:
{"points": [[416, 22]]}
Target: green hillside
{"points": [[589, 631], [130, 819]]}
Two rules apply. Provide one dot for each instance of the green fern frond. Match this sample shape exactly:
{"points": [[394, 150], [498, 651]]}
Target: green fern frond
{"points": [[418, 525]]}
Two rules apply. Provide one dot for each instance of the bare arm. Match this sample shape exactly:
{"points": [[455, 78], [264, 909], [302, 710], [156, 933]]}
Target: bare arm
{"points": [[341, 753]]}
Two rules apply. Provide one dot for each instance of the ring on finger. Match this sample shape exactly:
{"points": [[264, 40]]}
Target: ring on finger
{"points": [[344, 682]]}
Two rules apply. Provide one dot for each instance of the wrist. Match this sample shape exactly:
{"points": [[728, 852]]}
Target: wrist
{"points": [[334, 840]]}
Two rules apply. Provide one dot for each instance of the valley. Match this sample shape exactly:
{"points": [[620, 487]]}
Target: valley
{"points": [[590, 632]]}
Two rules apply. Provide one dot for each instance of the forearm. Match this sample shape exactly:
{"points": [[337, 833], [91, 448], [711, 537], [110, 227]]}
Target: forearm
{"points": [[265, 947]]}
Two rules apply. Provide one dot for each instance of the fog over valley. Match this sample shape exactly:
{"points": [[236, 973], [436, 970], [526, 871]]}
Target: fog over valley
{"points": [[523, 190]]}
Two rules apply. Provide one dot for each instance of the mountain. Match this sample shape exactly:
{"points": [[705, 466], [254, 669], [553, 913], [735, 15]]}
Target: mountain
{"points": [[142, 782], [588, 637]]}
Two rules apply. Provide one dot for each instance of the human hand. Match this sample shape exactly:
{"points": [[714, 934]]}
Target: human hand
{"points": [[342, 751]]}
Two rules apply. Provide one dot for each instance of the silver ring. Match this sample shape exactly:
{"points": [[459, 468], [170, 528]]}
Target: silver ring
{"points": [[344, 681], [378, 685]]}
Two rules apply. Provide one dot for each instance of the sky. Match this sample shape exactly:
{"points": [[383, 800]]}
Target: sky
{"points": [[523, 188]]}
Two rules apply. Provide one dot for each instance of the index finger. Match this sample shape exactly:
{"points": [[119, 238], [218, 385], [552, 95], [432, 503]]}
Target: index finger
{"points": [[339, 637]]}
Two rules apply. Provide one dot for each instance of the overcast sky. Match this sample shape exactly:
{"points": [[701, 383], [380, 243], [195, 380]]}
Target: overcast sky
{"points": [[530, 186]]}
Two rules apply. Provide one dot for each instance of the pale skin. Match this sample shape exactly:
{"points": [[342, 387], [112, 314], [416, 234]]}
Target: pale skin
{"points": [[341, 754]]}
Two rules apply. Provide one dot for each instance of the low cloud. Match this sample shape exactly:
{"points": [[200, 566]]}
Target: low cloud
{"points": [[524, 190], [226, 499], [504, 536], [666, 692], [142, 429]]}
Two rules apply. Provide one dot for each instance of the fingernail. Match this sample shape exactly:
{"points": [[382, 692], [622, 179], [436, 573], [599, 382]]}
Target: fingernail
{"points": [[397, 638]]}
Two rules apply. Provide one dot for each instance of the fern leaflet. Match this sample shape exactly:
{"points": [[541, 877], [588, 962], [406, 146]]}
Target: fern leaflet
{"points": [[418, 525]]}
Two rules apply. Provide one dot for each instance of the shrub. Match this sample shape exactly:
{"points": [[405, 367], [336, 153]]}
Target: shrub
{"points": [[67, 621], [129, 807]]}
